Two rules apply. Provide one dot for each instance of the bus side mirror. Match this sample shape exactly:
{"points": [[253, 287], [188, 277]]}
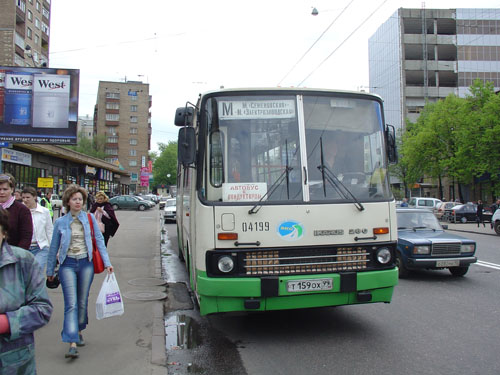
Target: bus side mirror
{"points": [[390, 138], [184, 116], [186, 146]]}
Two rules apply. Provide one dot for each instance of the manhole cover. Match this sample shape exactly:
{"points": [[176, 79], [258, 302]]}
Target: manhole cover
{"points": [[147, 282], [145, 295]]}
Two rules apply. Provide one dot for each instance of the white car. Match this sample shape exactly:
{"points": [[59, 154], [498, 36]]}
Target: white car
{"points": [[55, 201], [495, 221], [169, 210], [429, 203]]}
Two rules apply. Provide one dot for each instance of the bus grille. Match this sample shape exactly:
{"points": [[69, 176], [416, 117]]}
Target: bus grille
{"points": [[289, 262], [440, 249]]}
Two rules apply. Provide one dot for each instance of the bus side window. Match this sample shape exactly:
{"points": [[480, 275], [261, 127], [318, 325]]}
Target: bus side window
{"points": [[217, 158]]}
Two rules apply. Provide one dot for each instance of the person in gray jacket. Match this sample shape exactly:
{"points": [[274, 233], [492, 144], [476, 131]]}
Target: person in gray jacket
{"points": [[24, 305]]}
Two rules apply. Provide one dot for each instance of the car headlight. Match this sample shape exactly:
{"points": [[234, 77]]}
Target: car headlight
{"points": [[384, 255], [467, 248], [225, 264], [421, 250]]}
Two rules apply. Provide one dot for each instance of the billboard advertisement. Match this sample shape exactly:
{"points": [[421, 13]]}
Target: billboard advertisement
{"points": [[38, 105]]}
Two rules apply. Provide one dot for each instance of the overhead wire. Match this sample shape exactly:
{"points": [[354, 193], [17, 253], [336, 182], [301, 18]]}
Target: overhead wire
{"points": [[309, 49], [345, 40]]}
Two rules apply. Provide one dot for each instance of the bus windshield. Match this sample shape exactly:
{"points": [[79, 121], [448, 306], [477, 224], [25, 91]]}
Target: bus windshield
{"points": [[306, 148]]}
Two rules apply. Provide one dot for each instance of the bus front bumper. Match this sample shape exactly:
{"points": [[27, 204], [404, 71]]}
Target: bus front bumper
{"points": [[272, 293]]}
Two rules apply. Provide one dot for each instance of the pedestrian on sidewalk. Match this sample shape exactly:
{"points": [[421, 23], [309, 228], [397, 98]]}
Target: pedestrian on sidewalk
{"points": [[42, 226], [72, 243], [24, 305], [479, 212], [105, 215], [20, 225]]}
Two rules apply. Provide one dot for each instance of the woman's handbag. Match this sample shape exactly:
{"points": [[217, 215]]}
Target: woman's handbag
{"points": [[96, 255], [98, 216], [55, 281]]}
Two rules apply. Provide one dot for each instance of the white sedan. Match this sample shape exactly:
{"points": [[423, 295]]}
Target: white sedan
{"points": [[169, 210]]}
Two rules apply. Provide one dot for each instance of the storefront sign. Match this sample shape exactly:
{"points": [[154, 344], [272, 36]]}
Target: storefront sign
{"points": [[18, 157], [90, 170], [45, 182]]}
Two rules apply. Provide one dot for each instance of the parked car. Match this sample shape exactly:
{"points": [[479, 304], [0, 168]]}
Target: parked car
{"points": [[464, 213], [152, 197], [129, 202], [423, 244], [169, 213], [147, 200], [422, 202], [441, 209], [495, 221], [162, 202], [55, 201]]}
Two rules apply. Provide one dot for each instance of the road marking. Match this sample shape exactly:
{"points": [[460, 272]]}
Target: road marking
{"points": [[488, 264]]}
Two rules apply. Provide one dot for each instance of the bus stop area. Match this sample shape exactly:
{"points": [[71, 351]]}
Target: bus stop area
{"points": [[133, 343]]}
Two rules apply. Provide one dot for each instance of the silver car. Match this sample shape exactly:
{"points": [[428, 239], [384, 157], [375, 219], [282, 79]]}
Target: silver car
{"points": [[169, 210]]}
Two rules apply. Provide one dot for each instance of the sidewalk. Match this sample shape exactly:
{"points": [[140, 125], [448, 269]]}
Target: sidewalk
{"points": [[471, 228], [133, 343]]}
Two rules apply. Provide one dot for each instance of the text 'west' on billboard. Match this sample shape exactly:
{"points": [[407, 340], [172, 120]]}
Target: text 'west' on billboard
{"points": [[39, 105]]}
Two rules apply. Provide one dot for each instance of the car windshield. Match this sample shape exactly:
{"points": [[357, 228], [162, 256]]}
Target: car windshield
{"points": [[417, 220], [171, 203]]}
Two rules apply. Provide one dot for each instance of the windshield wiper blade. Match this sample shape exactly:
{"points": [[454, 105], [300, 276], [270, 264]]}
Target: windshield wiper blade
{"points": [[271, 190], [328, 175], [415, 228]]}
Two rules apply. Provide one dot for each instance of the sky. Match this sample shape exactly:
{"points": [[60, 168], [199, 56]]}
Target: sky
{"points": [[184, 48]]}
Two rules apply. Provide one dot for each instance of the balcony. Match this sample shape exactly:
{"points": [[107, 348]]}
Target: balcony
{"points": [[112, 123], [113, 111], [432, 65], [21, 12], [431, 39]]}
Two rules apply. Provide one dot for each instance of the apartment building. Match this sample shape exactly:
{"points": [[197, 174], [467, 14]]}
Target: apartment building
{"points": [[421, 55], [24, 32], [122, 114], [85, 126]]}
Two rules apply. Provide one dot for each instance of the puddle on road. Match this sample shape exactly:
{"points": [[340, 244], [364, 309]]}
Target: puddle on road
{"points": [[182, 332]]}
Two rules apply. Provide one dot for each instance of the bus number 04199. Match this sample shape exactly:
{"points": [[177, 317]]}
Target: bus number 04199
{"points": [[257, 226]]}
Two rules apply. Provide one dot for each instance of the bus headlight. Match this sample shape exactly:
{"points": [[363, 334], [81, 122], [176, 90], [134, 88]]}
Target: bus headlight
{"points": [[225, 264], [384, 255]]}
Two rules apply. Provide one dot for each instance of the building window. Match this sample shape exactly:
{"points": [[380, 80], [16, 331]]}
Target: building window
{"points": [[30, 15], [112, 139], [111, 160], [133, 142], [132, 152], [133, 130], [21, 5], [112, 95], [133, 119], [37, 23], [112, 117], [134, 98], [38, 6], [37, 40], [110, 130], [112, 105], [132, 163], [45, 12], [45, 28], [133, 108], [111, 151], [29, 32]]}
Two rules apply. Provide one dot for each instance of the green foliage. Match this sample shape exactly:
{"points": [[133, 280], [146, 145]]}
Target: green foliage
{"points": [[94, 147], [455, 137], [165, 164]]}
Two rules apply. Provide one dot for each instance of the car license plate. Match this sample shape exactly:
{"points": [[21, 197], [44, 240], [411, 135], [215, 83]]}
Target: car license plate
{"points": [[309, 285], [448, 263]]}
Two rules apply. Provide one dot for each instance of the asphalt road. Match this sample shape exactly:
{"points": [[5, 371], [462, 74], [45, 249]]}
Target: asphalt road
{"points": [[436, 324]]}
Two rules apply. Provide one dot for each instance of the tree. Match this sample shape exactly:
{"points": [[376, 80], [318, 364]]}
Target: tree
{"points": [[166, 164], [94, 147]]}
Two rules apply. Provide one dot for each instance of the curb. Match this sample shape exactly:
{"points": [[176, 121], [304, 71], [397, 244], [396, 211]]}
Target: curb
{"points": [[158, 343]]}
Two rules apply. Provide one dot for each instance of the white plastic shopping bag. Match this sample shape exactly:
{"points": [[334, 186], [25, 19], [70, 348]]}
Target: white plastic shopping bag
{"points": [[109, 301]]}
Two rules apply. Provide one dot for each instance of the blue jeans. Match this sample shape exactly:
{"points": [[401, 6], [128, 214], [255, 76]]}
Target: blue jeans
{"points": [[40, 255], [76, 276]]}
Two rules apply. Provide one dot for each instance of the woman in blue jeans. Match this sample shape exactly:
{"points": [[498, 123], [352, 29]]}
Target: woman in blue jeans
{"points": [[72, 240]]}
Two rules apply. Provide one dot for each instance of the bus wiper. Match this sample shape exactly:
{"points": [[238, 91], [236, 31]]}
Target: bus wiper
{"points": [[329, 176], [271, 190]]}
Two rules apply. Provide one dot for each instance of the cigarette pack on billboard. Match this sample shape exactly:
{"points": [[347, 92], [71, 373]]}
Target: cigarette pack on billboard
{"points": [[2, 93], [51, 100], [17, 98]]}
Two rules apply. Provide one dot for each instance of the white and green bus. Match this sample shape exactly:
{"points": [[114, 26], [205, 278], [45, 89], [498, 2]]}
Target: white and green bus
{"points": [[283, 199]]}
